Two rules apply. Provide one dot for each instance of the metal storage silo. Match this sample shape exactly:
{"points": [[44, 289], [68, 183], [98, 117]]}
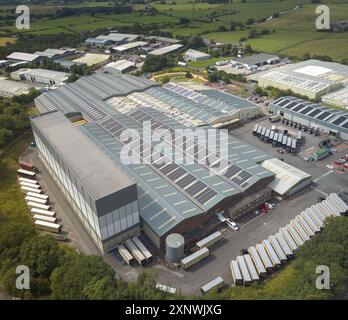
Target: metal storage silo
{"points": [[175, 244]]}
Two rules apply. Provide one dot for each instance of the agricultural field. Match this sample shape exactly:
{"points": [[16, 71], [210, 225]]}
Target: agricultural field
{"points": [[5, 40]]}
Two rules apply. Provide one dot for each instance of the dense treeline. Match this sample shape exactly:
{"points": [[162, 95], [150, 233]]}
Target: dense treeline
{"points": [[14, 116]]}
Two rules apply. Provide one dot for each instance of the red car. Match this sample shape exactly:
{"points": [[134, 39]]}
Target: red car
{"points": [[263, 207]]}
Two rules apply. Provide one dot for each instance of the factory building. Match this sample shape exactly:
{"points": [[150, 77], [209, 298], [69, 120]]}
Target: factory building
{"points": [[119, 67], [92, 59], [112, 38], [311, 78], [129, 46], [9, 89], [256, 60], [55, 53], [337, 98], [165, 50], [43, 76], [172, 197], [103, 197], [194, 55], [23, 57], [288, 179], [329, 121]]}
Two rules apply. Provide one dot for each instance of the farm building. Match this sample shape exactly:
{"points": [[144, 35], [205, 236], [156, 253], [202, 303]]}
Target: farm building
{"points": [[311, 78], [329, 121], [194, 55], [165, 50], [40, 76], [172, 197], [104, 200], [257, 60], [23, 57], [92, 59], [9, 89], [288, 179]]}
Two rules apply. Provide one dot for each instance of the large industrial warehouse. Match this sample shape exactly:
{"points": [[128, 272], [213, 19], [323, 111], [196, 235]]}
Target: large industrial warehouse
{"points": [[171, 197], [311, 78], [329, 121]]}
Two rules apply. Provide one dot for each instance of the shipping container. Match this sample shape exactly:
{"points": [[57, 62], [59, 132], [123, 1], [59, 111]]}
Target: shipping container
{"points": [[260, 268], [136, 253], [41, 201], [244, 270], [210, 240], [47, 226], [216, 284], [236, 274], [124, 253], [146, 253], [194, 258], [28, 189]]}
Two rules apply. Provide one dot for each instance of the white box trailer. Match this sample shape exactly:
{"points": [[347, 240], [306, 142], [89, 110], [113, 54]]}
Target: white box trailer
{"points": [[305, 225], [136, 253], [303, 234], [36, 195], [194, 258], [236, 274], [28, 189], [146, 253], [285, 247], [260, 268], [315, 218], [331, 208], [323, 210], [310, 221], [288, 238], [336, 204], [216, 284], [210, 240], [26, 173], [340, 201], [32, 205], [34, 199], [30, 185], [264, 257], [47, 226], [244, 270], [124, 253], [271, 253], [251, 268], [293, 233], [44, 218], [277, 248], [21, 179], [43, 212], [320, 212]]}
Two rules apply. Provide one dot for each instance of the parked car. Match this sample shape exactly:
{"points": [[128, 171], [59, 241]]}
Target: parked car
{"points": [[232, 224]]}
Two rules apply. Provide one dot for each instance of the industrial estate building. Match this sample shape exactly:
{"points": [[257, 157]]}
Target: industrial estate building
{"points": [[44, 76], [92, 59], [129, 46], [257, 60], [55, 53], [165, 50], [194, 55], [9, 89], [103, 197], [311, 78], [112, 38], [23, 57], [171, 197], [329, 121], [118, 67]]}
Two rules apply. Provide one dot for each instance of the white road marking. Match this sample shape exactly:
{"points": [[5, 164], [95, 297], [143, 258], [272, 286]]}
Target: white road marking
{"points": [[320, 191], [323, 176]]}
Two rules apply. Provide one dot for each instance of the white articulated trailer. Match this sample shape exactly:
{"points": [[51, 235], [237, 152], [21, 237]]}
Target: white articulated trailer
{"points": [[124, 253], [37, 195], [340, 201], [216, 284], [146, 253], [47, 226], [277, 248], [310, 221], [283, 244], [305, 225], [136, 253], [28, 189], [288, 238], [236, 274], [260, 268], [43, 212], [32, 205], [251, 268], [30, 185], [331, 208], [295, 236], [244, 270], [34, 199], [299, 229], [194, 258], [264, 257], [271, 253], [44, 218], [32, 181], [26, 173], [210, 240]]}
